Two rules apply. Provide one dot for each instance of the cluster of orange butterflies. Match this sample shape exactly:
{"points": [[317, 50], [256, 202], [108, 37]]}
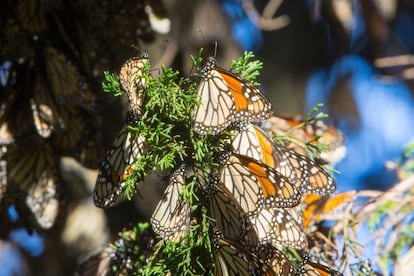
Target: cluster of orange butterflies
{"points": [[252, 194]]}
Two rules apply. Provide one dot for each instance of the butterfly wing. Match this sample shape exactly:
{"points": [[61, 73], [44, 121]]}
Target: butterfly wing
{"points": [[128, 146], [42, 199], [73, 130], [303, 172], [171, 218], [253, 142], [250, 102], [126, 149]]}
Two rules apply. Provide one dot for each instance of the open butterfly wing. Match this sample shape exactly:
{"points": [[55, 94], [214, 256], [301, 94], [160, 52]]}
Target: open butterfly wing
{"points": [[65, 82]]}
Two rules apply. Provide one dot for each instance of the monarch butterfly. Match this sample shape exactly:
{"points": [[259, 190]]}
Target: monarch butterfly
{"points": [[133, 84], [275, 259], [15, 110], [64, 121], [298, 169], [309, 268], [255, 185], [310, 131], [233, 259], [126, 149], [276, 226], [171, 218], [43, 109], [32, 177], [89, 152], [32, 16], [230, 258], [279, 227], [98, 264], [73, 129], [226, 98], [65, 82], [229, 218], [317, 206]]}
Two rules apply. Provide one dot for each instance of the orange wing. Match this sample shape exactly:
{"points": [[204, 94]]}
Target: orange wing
{"points": [[317, 206]]}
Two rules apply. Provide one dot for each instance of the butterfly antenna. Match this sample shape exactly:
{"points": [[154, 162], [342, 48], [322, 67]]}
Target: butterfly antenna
{"points": [[215, 48], [136, 47]]}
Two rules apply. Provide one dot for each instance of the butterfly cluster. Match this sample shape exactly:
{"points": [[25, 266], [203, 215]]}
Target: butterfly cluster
{"points": [[51, 59], [45, 114], [243, 181]]}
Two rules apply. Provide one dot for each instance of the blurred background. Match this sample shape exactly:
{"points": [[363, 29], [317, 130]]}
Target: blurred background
{"points": [[355, 56]]}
